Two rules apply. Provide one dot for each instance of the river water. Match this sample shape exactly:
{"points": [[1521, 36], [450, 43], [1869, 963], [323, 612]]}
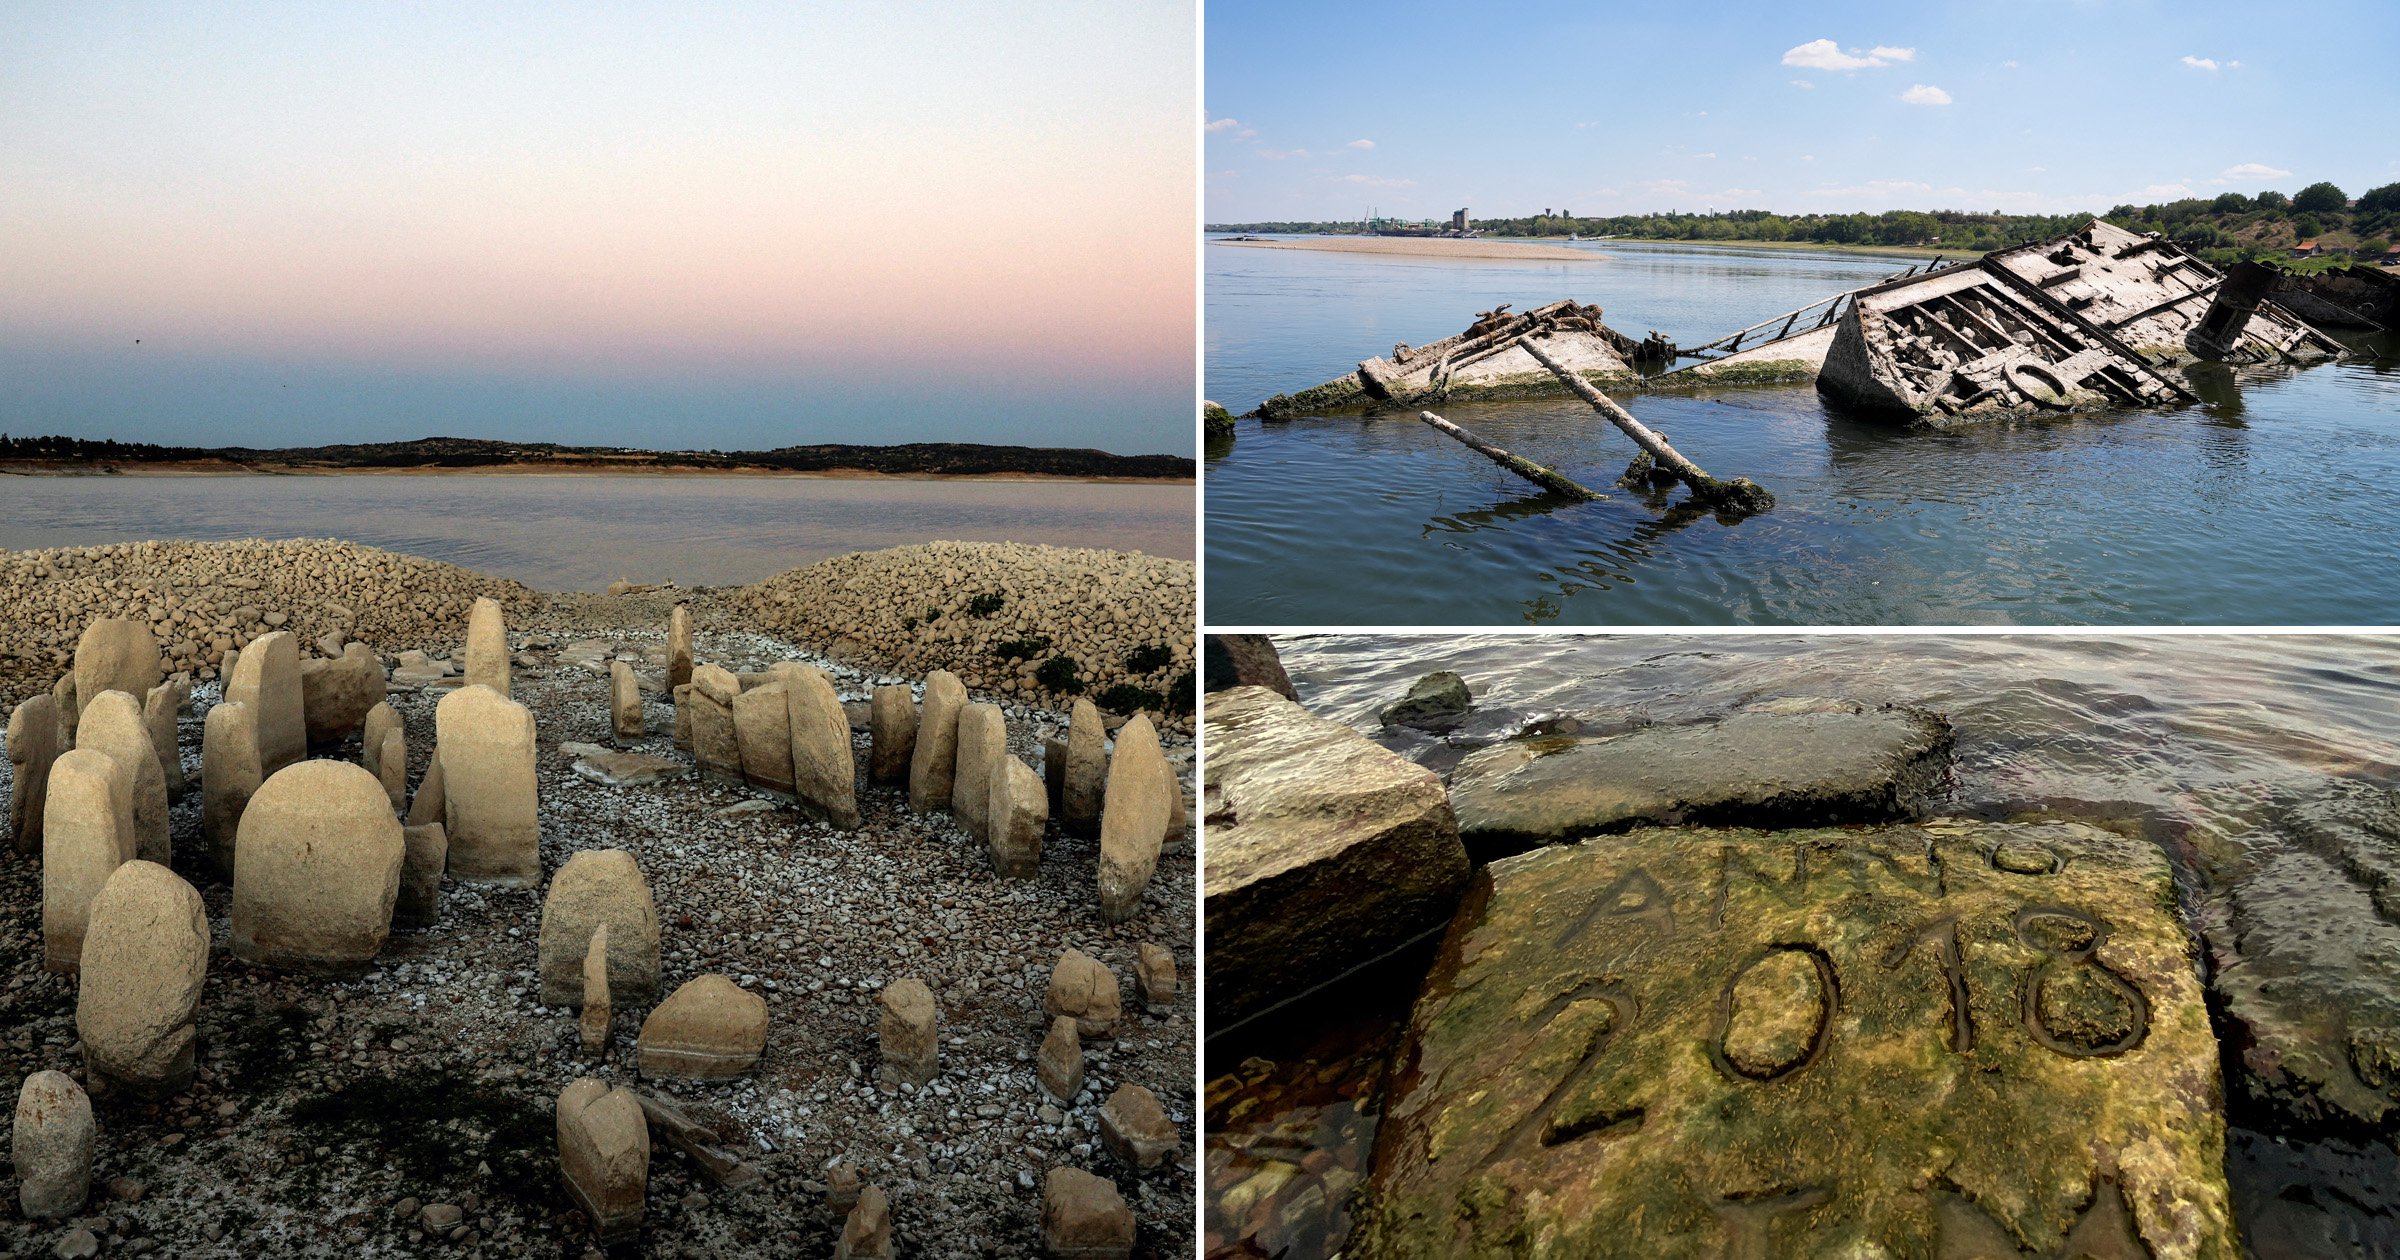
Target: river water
{"points": [[2271, 503], [581, 532], [2188, 739]]}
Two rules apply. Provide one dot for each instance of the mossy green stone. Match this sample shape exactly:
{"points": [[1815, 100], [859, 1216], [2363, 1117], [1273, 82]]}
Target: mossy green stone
{"points": [[1839, 1042]]}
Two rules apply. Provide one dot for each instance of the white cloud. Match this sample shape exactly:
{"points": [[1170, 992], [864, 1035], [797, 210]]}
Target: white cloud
{"points": [[1220, 124], [1361, 144], [1709, 156], [1804, 85], [2009, 64], [1923, 94], [2165, 192], [2255, 170], [2211, 64], [1377, 181], [1824, 54], [1278, 155]]}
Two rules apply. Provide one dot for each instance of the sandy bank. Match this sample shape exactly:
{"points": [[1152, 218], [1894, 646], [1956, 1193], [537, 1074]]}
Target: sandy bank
{"points": [[1427, 247]]}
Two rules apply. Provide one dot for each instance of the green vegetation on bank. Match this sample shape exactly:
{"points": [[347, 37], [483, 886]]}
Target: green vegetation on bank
{"points": [[2227, 228]]}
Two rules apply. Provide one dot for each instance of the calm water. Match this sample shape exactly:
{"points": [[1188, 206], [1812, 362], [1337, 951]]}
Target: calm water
{"points": [[2187, 738], [2272, 503], [577, 532]]}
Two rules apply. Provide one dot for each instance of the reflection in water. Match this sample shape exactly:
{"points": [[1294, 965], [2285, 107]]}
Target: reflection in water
{"points": [[582, 532], [2188, 740]]}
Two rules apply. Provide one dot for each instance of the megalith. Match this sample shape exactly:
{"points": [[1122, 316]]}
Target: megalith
{"points": [[267, 678], [824, 773], [316, 869], [1133, 822], [933, 763], [112, 723], [599, 888], [87, 833], [34, 742], [490, 810], [487, 646], [145, 957]]}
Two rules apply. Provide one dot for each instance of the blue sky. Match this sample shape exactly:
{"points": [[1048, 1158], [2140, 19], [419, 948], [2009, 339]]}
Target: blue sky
{"points": [[727, 223], [1317, 111]]}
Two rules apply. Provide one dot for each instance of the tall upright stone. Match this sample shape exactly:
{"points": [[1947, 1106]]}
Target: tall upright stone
{"points": [[87, 833], [762, 732], [52, 1146], [267, 678], [34, 742], [604, 1154], [715, 746], [909, 1034], [336, 695], [1133, 823], [599, 888], [824, 773], [982, 742], [679, 647], [598, 1007], [933, 764], [624, 701], [316, 869], [1014, 821], [1086, 784], [424, 856], [70, 709], [682, 697], [490, 809], [230, 772], [389, 765], [487, 646], [867, 1229], [160, 709], [117, 654], [431, 805], [145, 958], [112, 723], [892, 733]]}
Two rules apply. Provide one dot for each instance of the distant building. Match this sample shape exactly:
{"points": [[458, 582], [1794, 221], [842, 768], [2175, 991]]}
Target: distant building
{"points": [[1458, 220], [2306, 249]]}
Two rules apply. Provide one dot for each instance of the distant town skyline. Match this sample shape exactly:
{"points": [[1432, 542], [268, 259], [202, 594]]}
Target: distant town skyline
{"points": [[747, 226], [2028, 107]]}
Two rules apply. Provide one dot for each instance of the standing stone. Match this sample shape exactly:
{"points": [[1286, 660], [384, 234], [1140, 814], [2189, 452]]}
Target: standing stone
{"points": [[268, 680], [160, 708], [1059, 1065], [145, 957], [867, 1230], [679, 647], [1084, 1218], [337, 695], [892, 719], [597, 1009], [624, 701], [1154, 973], [52, 1146], [1135, 1128], [380, 719], [824, 771], [426, 851], [715, 746], [229, 776], [933, 763], [982, 742], [1133, 824], [683, 716], [909, 1034], [316, 869], [487, 646], [34, 737], [1014, 820], [490, 813], [1086, 992], [62, 694], [432, 803], [117, 654], [599, 888], [87, 833], [112, 723], [1086, 786], [1054, 772], [762, 736], [604, 1154], [709, 1029]]}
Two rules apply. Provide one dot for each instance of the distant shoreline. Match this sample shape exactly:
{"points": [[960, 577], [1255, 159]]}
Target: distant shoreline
{"points": [[1426, 247], [233, 468]]}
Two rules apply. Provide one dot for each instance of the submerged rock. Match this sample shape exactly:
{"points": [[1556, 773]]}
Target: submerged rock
{"points": [[1783, 763], [1691, 1042], [1438, 695]]}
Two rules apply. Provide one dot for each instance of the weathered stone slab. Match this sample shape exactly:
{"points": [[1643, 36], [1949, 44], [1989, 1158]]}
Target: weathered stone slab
{"points": [[1324, 850], [1950, 1039], [1228, 661], [624, 701], [487, 646], [35, 739], [1058, 1066], [1141, 799], [316, 869], [383, 721], [424, 856], [1083, 1217], [1800, 762], [117, 654], [336, 695], [715, 747], [112, 723], [604, 1154], [683, 717], [160, 709], [762, 734], [267, 678], [679, 647], [908, 1034], [145, 957], [893, 723], [1015, 818], [1084, 786], [933, 764], [51, 1146], [1135, 1127], [432, 801], [490, 808], [598, 1007], [982, 742], [87, 833], [599, 887], [230, 772], [627, 769], [1154, 974], [824, 773], [709, 1029]]}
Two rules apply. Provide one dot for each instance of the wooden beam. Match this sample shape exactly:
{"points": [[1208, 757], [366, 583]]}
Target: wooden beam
{"points": [[1540, 475]]}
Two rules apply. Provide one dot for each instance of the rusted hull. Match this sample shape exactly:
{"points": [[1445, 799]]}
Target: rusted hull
{"points": [[2152, 296]]}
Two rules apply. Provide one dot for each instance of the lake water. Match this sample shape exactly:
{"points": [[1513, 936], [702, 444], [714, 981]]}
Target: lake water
{"points": [[2274, 502], [2186, 739], [578, 532]]}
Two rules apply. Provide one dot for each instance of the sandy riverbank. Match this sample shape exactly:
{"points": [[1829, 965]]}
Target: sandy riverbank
{"points": [[1427, 247]]}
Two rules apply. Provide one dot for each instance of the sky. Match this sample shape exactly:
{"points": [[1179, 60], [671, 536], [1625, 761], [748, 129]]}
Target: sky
{"points": [[690, 225], [1315, 112]]}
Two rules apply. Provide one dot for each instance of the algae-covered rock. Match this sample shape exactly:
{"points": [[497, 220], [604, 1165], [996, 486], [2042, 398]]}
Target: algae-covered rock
{"points": [[1841, 1042], [1798, 762], [1438, 695]]}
